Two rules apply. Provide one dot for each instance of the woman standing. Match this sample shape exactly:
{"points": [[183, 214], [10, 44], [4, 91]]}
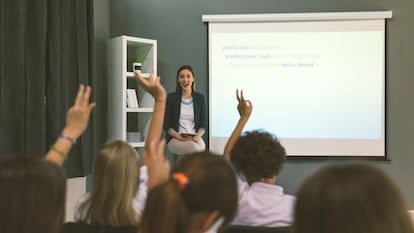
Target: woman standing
{"points": [[185, 120]]}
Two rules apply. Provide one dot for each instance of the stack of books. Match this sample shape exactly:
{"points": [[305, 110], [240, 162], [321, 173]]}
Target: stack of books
{"points": [[132, 100]]}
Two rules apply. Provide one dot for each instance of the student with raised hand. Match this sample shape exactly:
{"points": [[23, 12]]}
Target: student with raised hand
{"points": [[201, 194], [258, 157], [350, 198], [119, 186], [33, 189], [77, 118], [153, 157]]}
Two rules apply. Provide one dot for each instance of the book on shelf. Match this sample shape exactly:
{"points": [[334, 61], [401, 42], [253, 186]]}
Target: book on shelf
{"points": [[132, 100]]}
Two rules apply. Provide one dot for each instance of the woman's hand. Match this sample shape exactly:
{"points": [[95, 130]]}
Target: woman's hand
{"points": [[196, 138], [183, 137]]}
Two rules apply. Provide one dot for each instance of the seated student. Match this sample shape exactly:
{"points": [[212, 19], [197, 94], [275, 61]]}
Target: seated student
{"points": [[32, 195], [201, 195], [119, 186], [350, 198], [259, 157], [32, 189]]}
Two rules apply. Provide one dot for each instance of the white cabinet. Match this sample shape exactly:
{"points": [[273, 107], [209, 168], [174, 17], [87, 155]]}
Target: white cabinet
{"points": [[125, 120]]}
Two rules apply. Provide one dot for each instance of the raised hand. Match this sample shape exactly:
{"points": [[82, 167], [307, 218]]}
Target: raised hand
{"points": [[152, 85], [158, 165], [77, 117], [244, 107]]}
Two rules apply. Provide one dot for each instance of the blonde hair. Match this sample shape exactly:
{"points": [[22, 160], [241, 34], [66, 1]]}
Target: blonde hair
{"points": [[115, 183]]}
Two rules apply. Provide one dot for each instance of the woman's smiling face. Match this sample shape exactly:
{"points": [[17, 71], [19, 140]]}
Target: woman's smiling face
{"points": [[185, 79]]}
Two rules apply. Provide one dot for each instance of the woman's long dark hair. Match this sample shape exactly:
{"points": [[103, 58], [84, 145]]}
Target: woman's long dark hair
{"points": [[177, 84]]}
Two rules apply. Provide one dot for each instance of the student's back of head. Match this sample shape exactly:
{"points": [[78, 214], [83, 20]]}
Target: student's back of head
{"points": [[351, 198], [258, 154], [32, 196], [115, 181], [201, 191]]}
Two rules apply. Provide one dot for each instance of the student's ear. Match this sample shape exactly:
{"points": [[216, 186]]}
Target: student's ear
{"points": [[209, 220]]}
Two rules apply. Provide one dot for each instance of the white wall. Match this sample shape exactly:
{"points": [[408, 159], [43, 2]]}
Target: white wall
{"points": [[75, 188], [412, 214]]}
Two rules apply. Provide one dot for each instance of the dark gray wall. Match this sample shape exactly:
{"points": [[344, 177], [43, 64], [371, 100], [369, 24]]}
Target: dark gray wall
{"points": [[100, 75], [182, 39]]}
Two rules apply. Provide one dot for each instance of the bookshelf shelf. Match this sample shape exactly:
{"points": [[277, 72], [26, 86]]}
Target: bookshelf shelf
{"points": [[123, 51]]}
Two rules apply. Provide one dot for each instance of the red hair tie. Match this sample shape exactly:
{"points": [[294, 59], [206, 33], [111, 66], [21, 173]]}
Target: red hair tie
{"points": [[181, 179]]}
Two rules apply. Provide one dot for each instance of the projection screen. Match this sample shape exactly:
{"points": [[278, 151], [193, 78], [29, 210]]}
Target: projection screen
{"points": [[316, 80]]}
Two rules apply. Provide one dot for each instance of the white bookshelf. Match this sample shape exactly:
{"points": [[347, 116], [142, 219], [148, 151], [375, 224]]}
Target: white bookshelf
{"points": [[123, 119]]}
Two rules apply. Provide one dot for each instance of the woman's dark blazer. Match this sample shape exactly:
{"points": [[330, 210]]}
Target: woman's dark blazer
{"points": [[172, 112]]}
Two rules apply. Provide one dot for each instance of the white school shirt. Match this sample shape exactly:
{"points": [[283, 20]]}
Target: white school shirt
{"points": [[262, 204]]}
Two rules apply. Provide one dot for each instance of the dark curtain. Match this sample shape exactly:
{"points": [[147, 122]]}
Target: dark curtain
{"points": [[45, 53]]}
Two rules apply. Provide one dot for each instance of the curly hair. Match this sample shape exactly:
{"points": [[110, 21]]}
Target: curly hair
{"points": [[258, 154]]}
